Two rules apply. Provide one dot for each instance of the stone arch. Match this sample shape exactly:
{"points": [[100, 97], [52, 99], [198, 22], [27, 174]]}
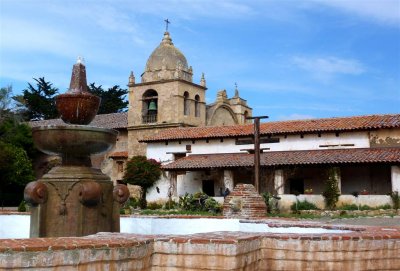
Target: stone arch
{"points": [[186, 103], [245, 116], [223, 115], [197, 105], [149, 106]]}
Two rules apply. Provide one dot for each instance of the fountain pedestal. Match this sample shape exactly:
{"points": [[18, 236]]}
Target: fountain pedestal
{"points": [[79, 202], [74, 199]]}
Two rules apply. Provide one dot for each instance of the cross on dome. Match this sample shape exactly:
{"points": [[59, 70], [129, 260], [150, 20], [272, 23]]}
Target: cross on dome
{"points": [[167, 22]]}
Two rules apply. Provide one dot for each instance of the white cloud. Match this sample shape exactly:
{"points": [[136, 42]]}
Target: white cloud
{"points": [[326, 67], [383, 11], [27, 35]]}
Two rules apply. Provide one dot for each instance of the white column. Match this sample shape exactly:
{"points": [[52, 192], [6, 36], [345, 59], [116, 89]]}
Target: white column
{"points": [[279, 183], [180, 185], [338, 178], [228, 179], [173, 187], [395, 178]]}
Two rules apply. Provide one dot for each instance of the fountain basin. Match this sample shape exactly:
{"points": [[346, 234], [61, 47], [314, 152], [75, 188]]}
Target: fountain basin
{"points": [[356, 248], [73, 140], [77, 108]]}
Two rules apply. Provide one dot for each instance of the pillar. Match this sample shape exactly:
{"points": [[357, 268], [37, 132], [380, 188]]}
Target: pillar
{"points": [[279, 182], [173, 187], [338, 177], [395, 177], [228, 179]]}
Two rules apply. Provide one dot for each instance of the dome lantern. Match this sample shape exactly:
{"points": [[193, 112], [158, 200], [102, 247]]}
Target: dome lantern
{"points": [[164, 61]]}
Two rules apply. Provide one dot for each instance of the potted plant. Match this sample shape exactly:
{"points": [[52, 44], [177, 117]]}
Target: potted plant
{"points": [[308, 191], [364, 192]]}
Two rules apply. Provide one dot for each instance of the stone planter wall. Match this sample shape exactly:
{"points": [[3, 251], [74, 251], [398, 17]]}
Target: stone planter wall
{"points": [[365, 248]]}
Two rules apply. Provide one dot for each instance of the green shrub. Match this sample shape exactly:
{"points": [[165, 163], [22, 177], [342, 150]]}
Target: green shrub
{"points": [[22, 206], [331, 192], [154, 205], [199, 202], [384, 207], [143, 172], [303, 205], [366, 207], [395, 199], [133, 202], [212, 206], [170, 204], [271, 202], [348, 207]]}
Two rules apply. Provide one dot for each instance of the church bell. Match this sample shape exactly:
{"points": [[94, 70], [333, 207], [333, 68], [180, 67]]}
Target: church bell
{"points": [[152, 106]]}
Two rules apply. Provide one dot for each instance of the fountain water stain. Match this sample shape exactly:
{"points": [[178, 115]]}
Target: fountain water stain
{"points": [[74, 199]]}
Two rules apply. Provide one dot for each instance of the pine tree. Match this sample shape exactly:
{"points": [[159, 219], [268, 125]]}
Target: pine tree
{"points": [[40, 101]]}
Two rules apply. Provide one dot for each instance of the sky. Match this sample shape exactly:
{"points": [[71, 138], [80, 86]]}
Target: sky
{"points": [[290, 59]]}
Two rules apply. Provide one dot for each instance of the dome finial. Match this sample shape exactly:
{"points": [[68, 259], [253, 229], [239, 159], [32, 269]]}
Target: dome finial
{"points": [[236, 90], [131, 79], [202, 80]]}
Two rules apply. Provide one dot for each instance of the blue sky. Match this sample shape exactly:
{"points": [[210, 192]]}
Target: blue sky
{"points": [[290, 59]]}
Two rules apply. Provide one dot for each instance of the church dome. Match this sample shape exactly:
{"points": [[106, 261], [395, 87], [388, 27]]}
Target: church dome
{"points": [[166, 62]]}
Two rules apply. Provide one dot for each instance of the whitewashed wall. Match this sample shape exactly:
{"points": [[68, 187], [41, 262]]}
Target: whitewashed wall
{"points": [[159, 150], [191, 182]]}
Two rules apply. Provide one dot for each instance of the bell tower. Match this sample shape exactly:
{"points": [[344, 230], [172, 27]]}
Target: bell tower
{"points": [[166, 97]]}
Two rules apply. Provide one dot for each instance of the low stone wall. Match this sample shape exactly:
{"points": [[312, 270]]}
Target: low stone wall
{"points": [[327, 213], [371, 200], [365, 248]]}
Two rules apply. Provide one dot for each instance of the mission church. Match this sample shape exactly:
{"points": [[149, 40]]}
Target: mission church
{"points": [[208, 146]]}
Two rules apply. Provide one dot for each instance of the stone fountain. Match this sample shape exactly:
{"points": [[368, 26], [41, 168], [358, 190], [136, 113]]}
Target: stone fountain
{"points": [[74, 199]]}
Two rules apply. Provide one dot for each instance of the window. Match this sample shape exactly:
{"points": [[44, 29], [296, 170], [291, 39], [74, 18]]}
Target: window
{"points": [[197, 106], [186, 103], [120, 165], [246, 115], [149, 106]]}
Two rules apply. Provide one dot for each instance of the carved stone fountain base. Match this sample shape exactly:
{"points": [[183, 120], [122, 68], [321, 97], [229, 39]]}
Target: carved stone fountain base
{"points": [[61, 214]]}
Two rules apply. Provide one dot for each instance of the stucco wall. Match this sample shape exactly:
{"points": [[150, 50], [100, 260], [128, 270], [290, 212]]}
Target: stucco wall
{"points": [[158, 150]]}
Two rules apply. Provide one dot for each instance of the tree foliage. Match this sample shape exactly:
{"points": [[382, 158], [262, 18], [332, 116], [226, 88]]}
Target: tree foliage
{"points": [[17, 134], [16, 167], [5, 100], [39, 100], [16, 151], [143, 172], [112, 100], [331, 192]]}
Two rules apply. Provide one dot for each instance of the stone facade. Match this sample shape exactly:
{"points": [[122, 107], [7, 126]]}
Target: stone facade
{"points": [[167, 97]]}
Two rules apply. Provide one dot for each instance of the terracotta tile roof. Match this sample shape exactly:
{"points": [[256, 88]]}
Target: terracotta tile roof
{"points": [[119, 154], [311, 157], [111, 121], [282, 127]]}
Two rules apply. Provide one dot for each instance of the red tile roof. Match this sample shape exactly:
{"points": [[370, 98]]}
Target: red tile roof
{"points": [[111, 121], [119, 154], [282, 127], [281, 158]]}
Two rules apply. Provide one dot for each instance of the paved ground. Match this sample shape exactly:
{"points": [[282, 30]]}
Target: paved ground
{"points": [[368, 221]]}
